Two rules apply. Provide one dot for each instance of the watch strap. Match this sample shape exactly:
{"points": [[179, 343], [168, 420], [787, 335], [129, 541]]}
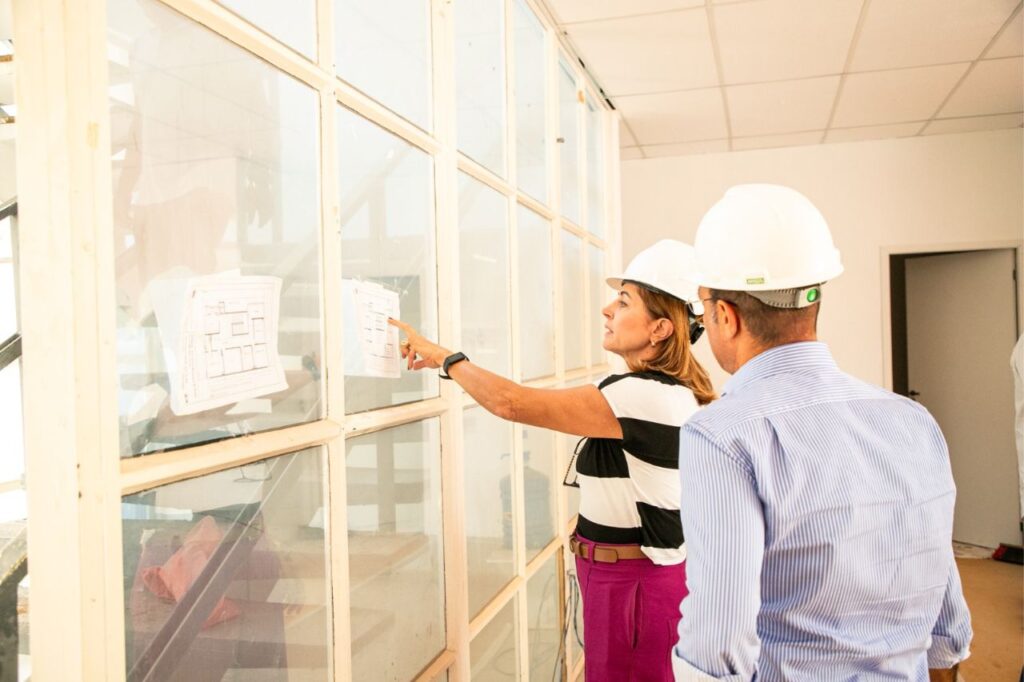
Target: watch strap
{"points": [[449, 361]]}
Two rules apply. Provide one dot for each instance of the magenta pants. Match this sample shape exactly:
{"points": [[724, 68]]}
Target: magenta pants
{"points": [[630, 616]]}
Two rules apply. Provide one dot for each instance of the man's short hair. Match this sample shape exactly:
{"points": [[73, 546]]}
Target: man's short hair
{"points": [[770, 326]]}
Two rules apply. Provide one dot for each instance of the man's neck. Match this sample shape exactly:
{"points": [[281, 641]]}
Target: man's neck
{"points": [[750, 349]]}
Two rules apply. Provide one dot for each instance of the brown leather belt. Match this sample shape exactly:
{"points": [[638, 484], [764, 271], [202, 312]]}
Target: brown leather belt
{"points": [[605, 553]]}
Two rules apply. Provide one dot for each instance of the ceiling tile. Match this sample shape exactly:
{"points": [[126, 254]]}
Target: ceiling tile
{"points": [[626, 138], [873, 132], [883, 97], [973, 124], [785, 107], [994, 86], [648, 54], [904, 33], [675, 116], [569, 11], [630, 153], [684, 148], [769, 141], [784, 39], [1011, 42]]}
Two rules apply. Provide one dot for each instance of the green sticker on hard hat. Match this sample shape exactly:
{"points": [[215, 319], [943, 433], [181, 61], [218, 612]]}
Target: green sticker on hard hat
{"points": [[755, 280], [812, 295]]}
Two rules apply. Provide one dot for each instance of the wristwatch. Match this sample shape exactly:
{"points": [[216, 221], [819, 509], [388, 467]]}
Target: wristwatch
{"points": [[449, 361]]}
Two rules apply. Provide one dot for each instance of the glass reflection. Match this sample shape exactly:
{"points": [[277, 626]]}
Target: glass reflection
{"points": [[494, 653], [595, 168], [573, 313], [216, 231], [480, 81], [382, 47], [569, 132], [600, 294], [531, 80], [536, 295], [540, 481], [225, 575], [294, 23], [543, 607], [396, 555], [490, 536], [387, 231], [483, 270]]}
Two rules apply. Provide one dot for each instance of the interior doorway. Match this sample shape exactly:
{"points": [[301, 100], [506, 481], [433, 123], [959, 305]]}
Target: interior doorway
{"points": [[954, 325]]}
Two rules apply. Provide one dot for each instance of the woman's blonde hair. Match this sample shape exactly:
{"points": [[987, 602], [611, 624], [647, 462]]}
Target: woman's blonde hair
{"points": [[675, 357]]}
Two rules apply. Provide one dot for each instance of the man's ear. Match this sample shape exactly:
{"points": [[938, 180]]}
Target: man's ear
{"points": [[728, 319]]}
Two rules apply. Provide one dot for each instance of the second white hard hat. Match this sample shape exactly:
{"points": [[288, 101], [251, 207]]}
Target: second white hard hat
{"points": [[764, 238], [666, 266]]}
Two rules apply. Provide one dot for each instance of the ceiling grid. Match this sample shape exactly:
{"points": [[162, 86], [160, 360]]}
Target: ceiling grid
{"points": [[703, 76]]}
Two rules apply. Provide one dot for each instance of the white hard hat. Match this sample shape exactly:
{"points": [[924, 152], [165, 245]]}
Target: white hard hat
{"points": [[764, 238], [666, 266]]}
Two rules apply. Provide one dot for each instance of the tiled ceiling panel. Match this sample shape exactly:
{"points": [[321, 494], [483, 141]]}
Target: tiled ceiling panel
{"points": [[790, 72], [675, 116], [653, 53], [572, 11], [773, 141], [626, 138], [992, 87], [904, 33], [704, 147], [1011, 42], [784, 39], [898, 96], [973, 124], [873, 132], [785, 107]]}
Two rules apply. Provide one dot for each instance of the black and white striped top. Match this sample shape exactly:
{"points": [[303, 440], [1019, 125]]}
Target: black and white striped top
{"points": [[629, 488]]}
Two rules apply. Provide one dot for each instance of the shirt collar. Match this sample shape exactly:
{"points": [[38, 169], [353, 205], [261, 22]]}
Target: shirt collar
{"points": [[805, 356]]}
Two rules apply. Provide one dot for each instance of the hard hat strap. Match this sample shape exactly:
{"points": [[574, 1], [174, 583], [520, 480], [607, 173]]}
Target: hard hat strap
{"points": [[789, 298]]}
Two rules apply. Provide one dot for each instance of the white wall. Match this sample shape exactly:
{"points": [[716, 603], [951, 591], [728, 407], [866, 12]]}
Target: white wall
{"points": [[914, 192]]}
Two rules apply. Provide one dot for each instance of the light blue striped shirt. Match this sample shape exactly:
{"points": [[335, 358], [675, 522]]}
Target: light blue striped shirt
{"points": [[818, 516]]}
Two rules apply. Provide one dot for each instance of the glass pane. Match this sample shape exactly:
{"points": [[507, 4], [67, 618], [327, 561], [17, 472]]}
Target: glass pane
{"points": [[531, 78], [483, 266], [387, 232], [572, 300], [225, 575], [488, 486], [544, 606], [293, 23], [8, 290], [216, 230], [595, 168], [382, 47], [600, 294], [396, 554], [540, 478], [12, 454], [536, 295], [571, 443], [494, 653], [568, 108], [480, 81], [576, 615]]}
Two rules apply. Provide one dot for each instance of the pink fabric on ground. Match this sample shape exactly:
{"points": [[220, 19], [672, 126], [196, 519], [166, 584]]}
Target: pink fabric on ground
{"points": [[630, 616], [171, 581]]}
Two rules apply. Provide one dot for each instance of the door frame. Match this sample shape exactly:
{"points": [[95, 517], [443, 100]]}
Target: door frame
{"points": [[935, 249]]}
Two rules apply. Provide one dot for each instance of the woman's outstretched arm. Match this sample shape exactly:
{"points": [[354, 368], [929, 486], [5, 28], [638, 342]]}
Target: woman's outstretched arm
{"points": [[580, 411]]}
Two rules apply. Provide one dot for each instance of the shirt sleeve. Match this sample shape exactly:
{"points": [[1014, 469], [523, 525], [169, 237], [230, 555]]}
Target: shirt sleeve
{"points": [[723, 524], [951, 636], [644, 408]]}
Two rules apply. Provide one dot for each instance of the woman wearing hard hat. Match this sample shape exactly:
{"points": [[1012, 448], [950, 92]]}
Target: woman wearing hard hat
{"points": [[628, 541]]}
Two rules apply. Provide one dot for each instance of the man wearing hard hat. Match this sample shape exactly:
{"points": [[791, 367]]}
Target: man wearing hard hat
{"points": [[817, 509]]}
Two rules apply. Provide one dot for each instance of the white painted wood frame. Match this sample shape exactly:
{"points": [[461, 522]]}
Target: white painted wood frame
{"points": [[74, 476]]}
